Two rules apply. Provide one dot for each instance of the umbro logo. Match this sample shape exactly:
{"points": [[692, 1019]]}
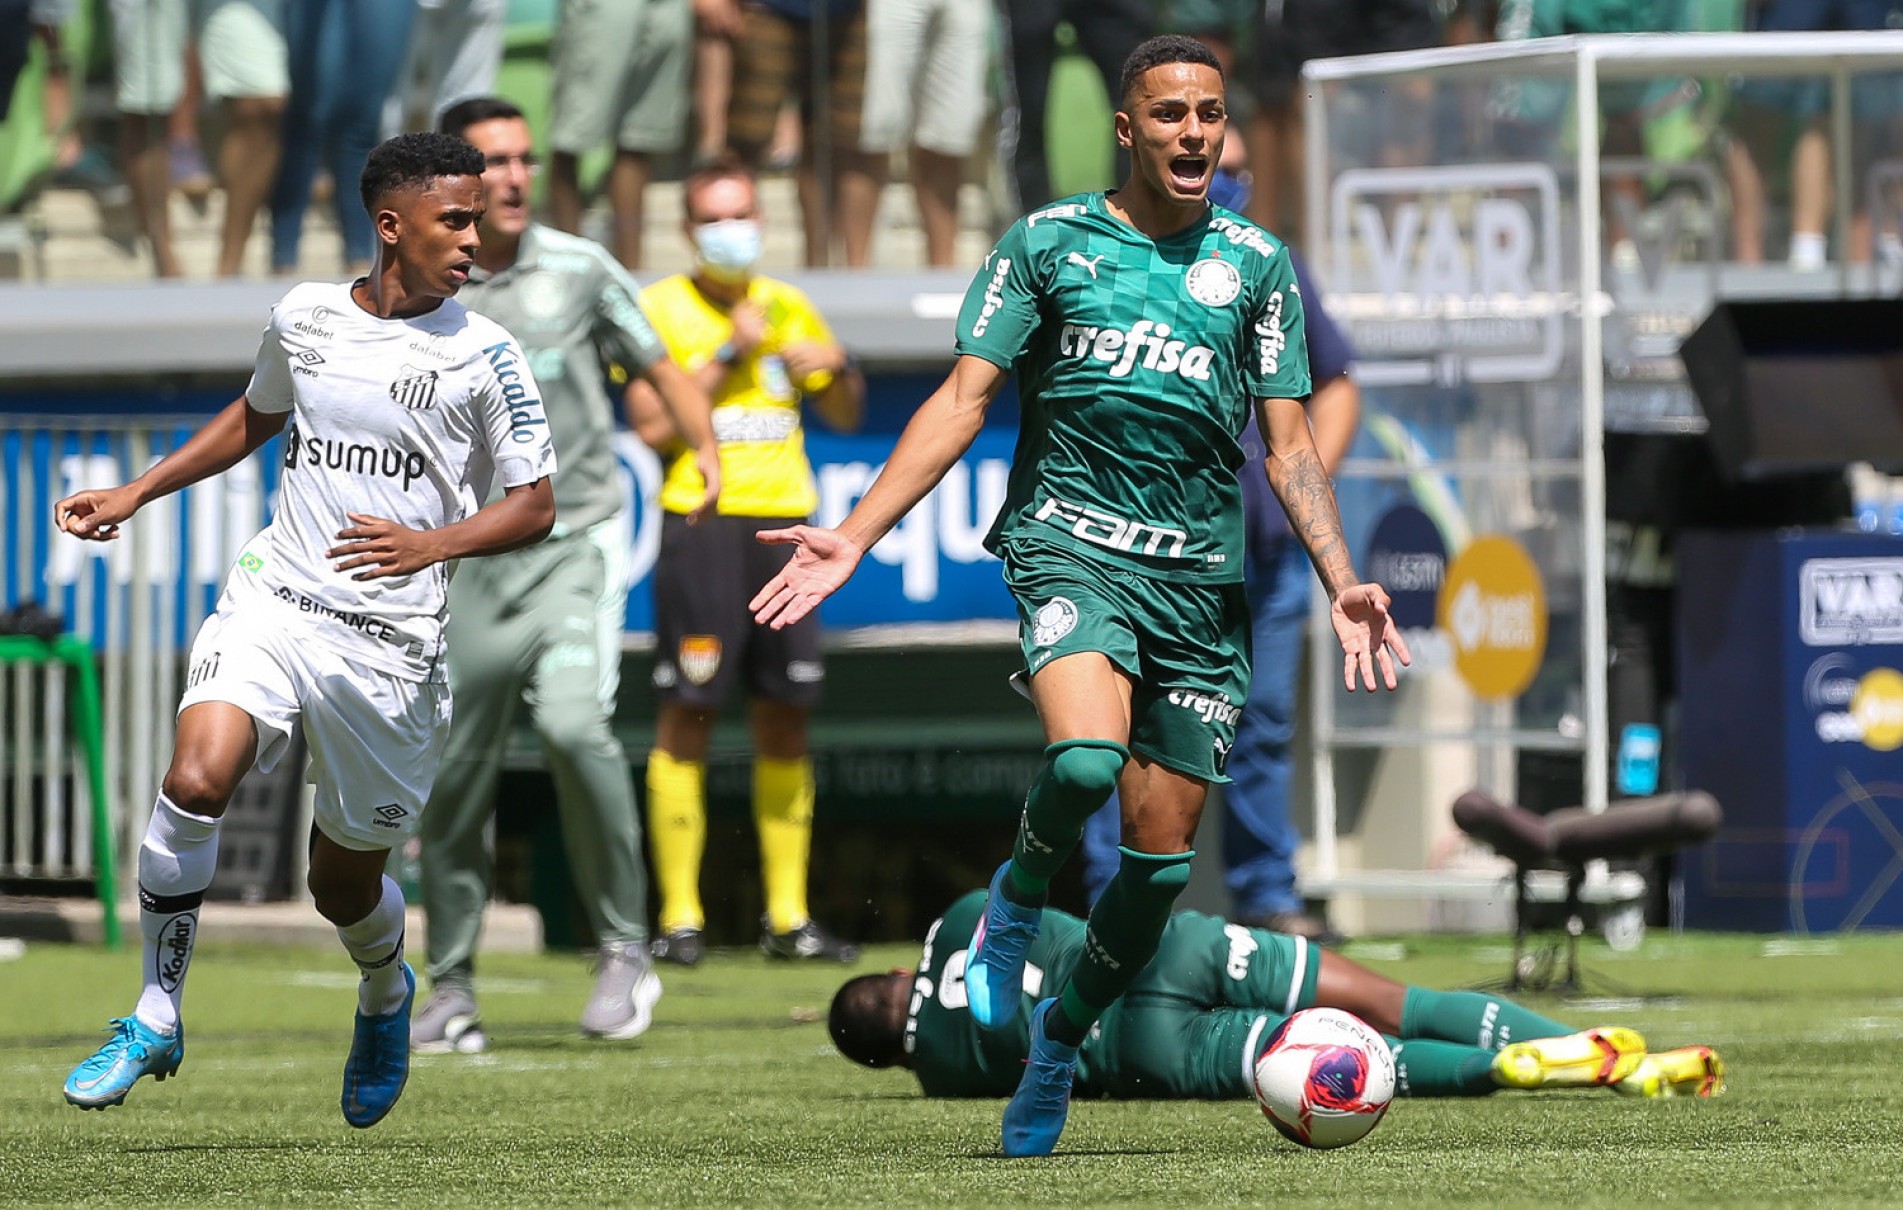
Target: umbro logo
{"points": [[1087, 262], [311, 357], [387, 815], [417, 392]]}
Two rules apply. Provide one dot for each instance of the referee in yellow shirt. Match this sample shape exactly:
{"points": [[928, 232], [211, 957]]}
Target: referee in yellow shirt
{"points": [[758, 348]]}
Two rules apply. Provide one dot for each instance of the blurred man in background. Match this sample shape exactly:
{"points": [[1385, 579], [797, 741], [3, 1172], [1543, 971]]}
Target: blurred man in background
{"points": [[544, 624], [242, 52], [620, 72], [760, 350]]}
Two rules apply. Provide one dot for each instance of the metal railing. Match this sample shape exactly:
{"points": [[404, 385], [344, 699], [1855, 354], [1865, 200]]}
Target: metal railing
{"points": [[138, 600]]}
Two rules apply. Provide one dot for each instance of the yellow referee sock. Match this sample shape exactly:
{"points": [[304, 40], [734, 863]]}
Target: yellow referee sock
{"points": [[677, 834], [783, 813]]}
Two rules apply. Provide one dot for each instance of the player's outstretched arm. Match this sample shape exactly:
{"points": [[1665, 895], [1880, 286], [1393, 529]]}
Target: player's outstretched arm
{"points": [[227, 440], [1359, 612], [374, 547], [937, 436]]}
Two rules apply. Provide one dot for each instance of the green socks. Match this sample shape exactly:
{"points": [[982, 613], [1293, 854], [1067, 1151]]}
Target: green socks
{"points": [[1120, 939], [1077, 778], [1473, 1019], [1426, 1068]]}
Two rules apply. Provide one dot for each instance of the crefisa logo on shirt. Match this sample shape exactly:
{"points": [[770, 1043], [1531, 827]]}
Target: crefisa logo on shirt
{"points": [[416, 390]]}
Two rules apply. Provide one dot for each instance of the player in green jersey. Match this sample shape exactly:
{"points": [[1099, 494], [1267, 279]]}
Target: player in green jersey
{"points": [[1195, 1019], [1141, 323]]}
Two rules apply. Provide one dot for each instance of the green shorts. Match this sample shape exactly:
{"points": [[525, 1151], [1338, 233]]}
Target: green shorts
{"points": [[1184, 646], [1191, 1024]]}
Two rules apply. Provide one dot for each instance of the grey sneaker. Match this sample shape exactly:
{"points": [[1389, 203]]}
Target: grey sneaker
{"points": [[448, 1023], [626, 987]]}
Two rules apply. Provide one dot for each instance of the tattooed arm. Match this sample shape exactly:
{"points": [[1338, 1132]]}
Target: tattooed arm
{"points": [[1301, 483], [1370, 641]]}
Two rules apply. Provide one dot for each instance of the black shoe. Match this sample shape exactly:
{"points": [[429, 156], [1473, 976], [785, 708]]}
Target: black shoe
{"points": [[682, 947], [807, 941], [1295, 924]]}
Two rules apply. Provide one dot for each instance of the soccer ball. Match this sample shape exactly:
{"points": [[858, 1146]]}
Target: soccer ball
{"points": [[1324, 1078]]}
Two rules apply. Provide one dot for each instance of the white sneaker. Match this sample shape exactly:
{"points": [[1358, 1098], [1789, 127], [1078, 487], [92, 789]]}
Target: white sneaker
{"points": [[626, 988], [448, 1023]]}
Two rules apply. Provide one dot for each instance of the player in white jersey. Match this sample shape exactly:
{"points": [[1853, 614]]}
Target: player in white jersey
{"points": [[403, 406]]}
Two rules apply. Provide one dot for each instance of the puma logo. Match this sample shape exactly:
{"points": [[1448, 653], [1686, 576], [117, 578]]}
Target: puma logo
{"points": [[1088, 262]]}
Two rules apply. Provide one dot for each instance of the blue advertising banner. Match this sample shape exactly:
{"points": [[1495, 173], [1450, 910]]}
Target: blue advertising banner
{"points": [[931, 568], [1791, 702]]}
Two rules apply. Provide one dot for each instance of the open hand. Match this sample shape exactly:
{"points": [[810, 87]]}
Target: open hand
{"points": [[383, 548], [1368, 636], [96, 513], [823, 559]]}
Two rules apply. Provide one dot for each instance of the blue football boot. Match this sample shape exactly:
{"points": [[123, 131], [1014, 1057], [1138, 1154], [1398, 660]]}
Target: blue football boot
{"points": [[1035, 1116], [135, 1050], [379, 1062], [994, 965]]}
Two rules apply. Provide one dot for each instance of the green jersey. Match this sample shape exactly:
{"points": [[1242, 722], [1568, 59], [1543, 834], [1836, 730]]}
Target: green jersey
{"points": [[573, 308], [1137, 362], [952, 1055]]}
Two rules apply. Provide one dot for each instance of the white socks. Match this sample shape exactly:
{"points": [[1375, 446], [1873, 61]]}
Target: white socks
{"points": [[375, 943], [176, 864]]}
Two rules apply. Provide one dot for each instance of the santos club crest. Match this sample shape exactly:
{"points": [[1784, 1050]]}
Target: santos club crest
{"points": [[1213, 282]]}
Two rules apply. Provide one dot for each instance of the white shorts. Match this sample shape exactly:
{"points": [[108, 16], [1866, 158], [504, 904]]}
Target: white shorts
{"points": [[375, 738], [241, 50], [925, 75]]}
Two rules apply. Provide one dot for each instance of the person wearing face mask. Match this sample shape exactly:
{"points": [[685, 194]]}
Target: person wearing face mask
{"points": [[760, 350]]}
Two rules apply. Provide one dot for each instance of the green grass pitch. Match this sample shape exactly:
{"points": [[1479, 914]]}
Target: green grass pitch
{"points": [[736, 1098]]}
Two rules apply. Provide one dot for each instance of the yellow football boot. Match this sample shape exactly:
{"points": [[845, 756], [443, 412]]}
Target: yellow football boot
{"points": [[1689, 1071], [1589, 1058]]}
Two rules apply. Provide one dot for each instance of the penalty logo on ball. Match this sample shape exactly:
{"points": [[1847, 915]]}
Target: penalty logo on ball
{"points": [[1324, 1078]]}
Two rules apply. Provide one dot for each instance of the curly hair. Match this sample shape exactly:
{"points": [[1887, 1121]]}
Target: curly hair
{"points": [[411, 160], [862, 1023], [1165, 48]]}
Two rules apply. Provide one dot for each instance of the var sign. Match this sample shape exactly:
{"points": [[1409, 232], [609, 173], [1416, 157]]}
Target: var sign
{"points": [[1449, 274]]}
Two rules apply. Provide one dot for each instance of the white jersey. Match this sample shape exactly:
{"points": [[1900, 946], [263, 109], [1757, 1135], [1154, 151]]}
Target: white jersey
{"points": [[404, 419]]}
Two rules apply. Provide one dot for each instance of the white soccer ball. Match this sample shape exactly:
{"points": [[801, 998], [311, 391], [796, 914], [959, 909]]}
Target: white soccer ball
{"points": [[1324, 1078]]}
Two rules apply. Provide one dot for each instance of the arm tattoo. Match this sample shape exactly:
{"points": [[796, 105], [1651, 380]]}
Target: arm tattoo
{"points": [[1308, 498]]}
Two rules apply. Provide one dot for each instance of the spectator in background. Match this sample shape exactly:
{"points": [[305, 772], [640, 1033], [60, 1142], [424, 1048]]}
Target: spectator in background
{"points": [[1288, 34], [776, 58], [621, 75], [345, 55], [1221, 25], [544, 623], [455, 53], [1107, 31], [241, 49], [716, 25], [925, 80], [1259, 837], [760, 350], [1764, 110]]}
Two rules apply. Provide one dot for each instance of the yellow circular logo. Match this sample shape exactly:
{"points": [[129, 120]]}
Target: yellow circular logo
{"points": [[1877, 705], [1492, 607]]}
